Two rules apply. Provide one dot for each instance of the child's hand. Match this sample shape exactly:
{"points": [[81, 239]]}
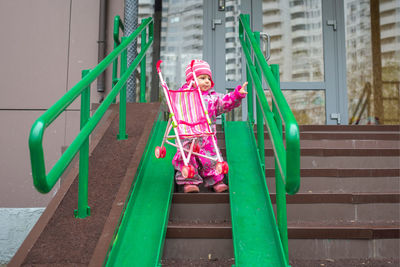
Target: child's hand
{"points": [[243, 89]]}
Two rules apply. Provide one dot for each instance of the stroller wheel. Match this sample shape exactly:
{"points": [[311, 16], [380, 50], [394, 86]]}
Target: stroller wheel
{"points": [[163, 152], [160, 152], [222, 167], [187, 171], [225, 167]]}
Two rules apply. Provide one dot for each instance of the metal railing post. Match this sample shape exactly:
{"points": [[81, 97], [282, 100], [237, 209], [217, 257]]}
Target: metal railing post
{"points": [[122, 98], [280, 187], [250, 96], [143, 70], [260, 117], [83, 208]]}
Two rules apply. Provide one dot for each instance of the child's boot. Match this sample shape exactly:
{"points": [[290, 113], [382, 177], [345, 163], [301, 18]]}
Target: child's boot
{"points": [[191, 188], [220, 187]]}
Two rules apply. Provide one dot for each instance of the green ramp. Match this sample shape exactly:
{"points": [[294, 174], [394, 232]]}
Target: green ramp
{"points": [[140, 237], [256, 239]]}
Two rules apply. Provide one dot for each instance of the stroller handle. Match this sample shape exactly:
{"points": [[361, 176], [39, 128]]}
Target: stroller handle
{"points": [[158, 66]]}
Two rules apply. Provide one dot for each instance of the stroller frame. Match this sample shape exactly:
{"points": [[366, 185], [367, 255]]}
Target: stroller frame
{"points": [[187, 170]]}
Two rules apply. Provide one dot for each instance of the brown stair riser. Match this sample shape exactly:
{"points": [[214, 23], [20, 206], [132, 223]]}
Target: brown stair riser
{"points": [[312, 207], [337, 162], [294, 232], [200, 213], [339, 136], [348, 128], [345, 161], [328, 152], [336, 144], [334, 152], [333, 249], [198, 248], [314, 212], [341, 213], [300, 198], [340, 161], [347, 136], [308, 249], [347, 144], [341, 128], [344, 184], [342, 172]]}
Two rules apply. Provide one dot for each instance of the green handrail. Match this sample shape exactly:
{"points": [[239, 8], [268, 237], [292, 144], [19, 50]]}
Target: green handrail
{"points": [[45, 182], [287, 159], [118, 25]]}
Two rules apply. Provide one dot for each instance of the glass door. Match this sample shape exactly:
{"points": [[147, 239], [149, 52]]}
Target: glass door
{"points": [[307, 41], [181, 38]]}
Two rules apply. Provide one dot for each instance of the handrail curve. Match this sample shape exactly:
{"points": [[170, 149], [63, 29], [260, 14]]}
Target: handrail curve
{"points": [[44, 182], [288, 159]]}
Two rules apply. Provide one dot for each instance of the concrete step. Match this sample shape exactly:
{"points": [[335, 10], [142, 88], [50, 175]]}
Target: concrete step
{"points": [[344, 184], [332, 132], [302, 207], [298, 230], [337, 144], [187, 241], [200, 208], [340, 208], [344, 162], [344, 180], [343, 172], [198, 262], [199, 227], [338, 151]]}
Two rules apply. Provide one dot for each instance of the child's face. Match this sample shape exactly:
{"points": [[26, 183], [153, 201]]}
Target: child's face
{"points": [[204, 82]]}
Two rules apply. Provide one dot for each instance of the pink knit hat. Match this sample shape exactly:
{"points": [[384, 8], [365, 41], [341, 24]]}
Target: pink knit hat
{"points": [[199, 67]]}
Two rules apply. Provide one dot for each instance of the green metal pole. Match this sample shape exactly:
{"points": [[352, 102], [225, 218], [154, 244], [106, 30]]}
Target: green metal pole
{"points": [[250, 98], [260, 117], [122, 98], [280, 187], [83, 207], [117, 25], [143, 71]]}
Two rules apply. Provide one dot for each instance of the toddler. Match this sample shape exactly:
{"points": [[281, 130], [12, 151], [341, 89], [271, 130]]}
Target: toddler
{"points": [[216, 104]]}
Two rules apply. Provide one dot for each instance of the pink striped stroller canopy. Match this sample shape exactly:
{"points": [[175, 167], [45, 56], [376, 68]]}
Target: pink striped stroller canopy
{"points": [[188, 119], [189, 114]]}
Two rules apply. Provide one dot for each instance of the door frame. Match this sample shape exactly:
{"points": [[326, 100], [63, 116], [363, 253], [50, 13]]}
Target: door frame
{"points": [[334, 54]]}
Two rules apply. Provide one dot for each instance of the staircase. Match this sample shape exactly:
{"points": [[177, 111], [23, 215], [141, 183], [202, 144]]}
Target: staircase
{"points": [[348, 203], [347, 209], [199, 230]]}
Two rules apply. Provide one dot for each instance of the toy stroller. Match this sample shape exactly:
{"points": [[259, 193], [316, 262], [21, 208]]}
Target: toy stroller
{"points": [[189, 119]]}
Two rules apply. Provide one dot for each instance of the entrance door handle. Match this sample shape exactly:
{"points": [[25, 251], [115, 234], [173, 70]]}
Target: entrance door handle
{"points": [[331, 22], [336, 116], [215, 22]]}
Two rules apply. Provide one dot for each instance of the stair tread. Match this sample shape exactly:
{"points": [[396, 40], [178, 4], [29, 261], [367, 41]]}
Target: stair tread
{"points": [[346, 198], [344, 172], [196, 224], [293, 225], [198, 262], [200, 198], [296, 230], [299, 198]]}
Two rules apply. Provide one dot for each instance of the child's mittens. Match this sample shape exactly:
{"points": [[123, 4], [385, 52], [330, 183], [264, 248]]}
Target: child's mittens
{"points": [[242, 90]]}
